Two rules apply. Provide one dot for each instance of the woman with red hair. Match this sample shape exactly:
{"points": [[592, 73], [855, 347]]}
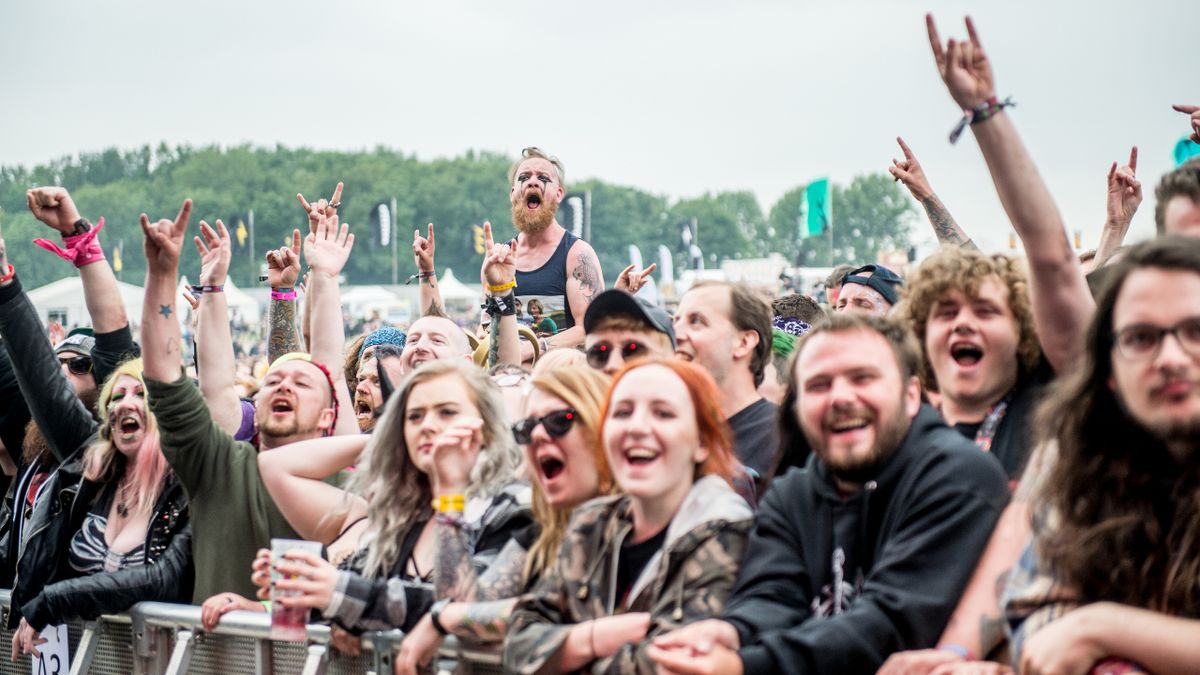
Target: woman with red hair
{"points": [[661, 555]]}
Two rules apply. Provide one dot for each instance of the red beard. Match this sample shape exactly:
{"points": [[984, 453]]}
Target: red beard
{"points": [[533, 220]]}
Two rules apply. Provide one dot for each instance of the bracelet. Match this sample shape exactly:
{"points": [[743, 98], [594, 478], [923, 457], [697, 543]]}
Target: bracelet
{"points": [[435, 616], [208, 289], [12, 272], [446, 503], [79, 249], [504, 305], [592, 639], [283, 294], [449, 520], [500, 288], [420, 275], [956, 649], [984, 112]]}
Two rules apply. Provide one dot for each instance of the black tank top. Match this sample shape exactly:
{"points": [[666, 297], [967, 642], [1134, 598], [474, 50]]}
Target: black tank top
{"points": [[548, 285]]}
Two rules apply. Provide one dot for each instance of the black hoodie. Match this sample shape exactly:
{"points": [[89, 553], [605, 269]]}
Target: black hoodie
{"points": [[834, 585]]}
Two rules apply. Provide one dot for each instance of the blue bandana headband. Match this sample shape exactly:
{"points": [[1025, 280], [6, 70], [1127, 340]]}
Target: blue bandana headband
{"points": [[794, 327]]}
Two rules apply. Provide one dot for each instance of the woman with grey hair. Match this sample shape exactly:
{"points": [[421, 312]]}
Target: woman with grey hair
{"points": [[437, 477]]}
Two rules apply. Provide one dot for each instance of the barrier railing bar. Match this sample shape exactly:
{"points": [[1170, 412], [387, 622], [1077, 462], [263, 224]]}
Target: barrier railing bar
{"points": [[263, 665], [181, 655], [316, 661], [87, 648]]}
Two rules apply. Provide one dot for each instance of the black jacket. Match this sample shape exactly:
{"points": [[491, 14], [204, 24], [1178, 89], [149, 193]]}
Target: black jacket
{"points": [[833, 585], [166, 576]]}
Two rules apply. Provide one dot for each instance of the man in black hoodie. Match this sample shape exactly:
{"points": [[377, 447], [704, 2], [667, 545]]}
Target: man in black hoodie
{"points": [[866, 552]]}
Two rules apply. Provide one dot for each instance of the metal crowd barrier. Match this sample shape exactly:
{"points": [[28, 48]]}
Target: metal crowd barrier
{"points": [[155, 638]]}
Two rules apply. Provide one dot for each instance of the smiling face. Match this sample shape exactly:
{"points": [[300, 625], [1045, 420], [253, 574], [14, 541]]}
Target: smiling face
{"points": [[971, 343], [535, 195], [704, 333], [432, 406], [852, 403], [127, 415], [564, 466], [294, 403], [651, 437], [1160, 390], [432, 338]]}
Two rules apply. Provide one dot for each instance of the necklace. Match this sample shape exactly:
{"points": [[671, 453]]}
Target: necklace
{"points": [[122, 506]]}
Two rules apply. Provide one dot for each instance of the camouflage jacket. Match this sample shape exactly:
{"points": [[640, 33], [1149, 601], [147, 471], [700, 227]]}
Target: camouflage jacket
{"points": [[688, 580]]}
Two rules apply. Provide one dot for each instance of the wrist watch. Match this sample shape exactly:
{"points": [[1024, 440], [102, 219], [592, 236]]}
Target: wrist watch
{"points": [[81, 226], [435, 616]]}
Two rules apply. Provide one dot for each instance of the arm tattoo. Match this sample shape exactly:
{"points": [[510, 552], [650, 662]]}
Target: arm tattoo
{"points": [[944, 226], [487, 621], [505, 578], [588, 275], [992, 622], [453, 575], [165, 310], [282, 338], [493, 354]]}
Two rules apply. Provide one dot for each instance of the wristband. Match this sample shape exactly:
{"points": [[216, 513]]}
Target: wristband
{"points": [[448, 503], [504, 305], [208, 289], [980, 114], [435, 616], [283, 294], [500, 288], [956, 649], [420, 275], [12, 272], [80, 249]]}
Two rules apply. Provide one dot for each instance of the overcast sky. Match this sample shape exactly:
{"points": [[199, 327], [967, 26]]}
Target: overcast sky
{"points": [[673, 97]]}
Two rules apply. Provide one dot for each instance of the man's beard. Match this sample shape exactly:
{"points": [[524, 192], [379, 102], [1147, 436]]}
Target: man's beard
{"points": [[537, 220], [280, 428], [859, 470], [34, 446]]}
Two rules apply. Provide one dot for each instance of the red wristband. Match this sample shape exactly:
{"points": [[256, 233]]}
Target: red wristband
{"points": [[283, 294]]}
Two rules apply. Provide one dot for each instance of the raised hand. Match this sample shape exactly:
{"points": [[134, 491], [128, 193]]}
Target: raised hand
{"points": [[164, 239], [631, 282], [283, 264], [423, 249], [910, 173], [326, 249], [322, 207], [56, 333], [454, 453], [499, 261], [1194, 112], [215, 252], [963, 66], [54, 207], [1124, 191]]}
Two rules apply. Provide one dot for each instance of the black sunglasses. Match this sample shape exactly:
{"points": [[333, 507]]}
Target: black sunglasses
{"points": [[599, 353], [80, 365], [556, 423]]}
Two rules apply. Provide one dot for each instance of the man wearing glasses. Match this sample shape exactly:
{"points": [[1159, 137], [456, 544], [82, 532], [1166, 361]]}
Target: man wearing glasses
{"points": [[620, 327]]}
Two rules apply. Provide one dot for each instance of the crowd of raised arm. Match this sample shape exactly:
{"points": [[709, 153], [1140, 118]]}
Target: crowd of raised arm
{"points": [[985, 463]]}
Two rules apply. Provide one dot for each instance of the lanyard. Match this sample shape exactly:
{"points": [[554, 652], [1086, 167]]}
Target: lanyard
{"points": [[991, 422]]}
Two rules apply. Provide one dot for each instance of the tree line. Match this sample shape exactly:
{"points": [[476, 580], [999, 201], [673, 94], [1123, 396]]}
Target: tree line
{"points": [[870, 214]]}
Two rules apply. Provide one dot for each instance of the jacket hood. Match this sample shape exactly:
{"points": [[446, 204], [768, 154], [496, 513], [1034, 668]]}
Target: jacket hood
{"points": [[925, 421]]}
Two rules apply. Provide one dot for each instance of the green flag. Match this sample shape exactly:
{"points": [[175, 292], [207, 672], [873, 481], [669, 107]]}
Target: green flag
{"points": [[816, 201]]}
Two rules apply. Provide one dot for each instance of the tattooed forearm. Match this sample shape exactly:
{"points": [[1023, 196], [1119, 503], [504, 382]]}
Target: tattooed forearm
{"points": [[453, 575], [493, 355], [587, 274], [487, 621], [505, 578], [282, 336], [944, 226], [431, 297]]}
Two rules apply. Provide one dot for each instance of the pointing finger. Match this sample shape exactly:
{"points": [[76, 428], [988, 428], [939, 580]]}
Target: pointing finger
{"points": [[304, 202], [337, 194], [488, 244], [908, 154], [184, 215], [1133, 159], [296, 240], [973, 34], [934, 41], [1186, 109], [431, 234]]}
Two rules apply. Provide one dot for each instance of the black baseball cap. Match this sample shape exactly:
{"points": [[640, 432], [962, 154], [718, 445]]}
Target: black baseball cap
{"points": [[882, 279], [614, 302]]}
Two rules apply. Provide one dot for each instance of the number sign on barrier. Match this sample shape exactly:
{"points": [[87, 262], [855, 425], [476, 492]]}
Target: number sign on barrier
{"points": [[55, 659]]}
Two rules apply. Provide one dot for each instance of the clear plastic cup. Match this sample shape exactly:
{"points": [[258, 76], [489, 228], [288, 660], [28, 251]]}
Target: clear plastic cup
{"points": [[288, 623]]}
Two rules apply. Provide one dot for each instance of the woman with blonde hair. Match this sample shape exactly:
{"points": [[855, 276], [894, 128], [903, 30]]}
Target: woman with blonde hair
{"points": [[131, 539], [559, 434]]}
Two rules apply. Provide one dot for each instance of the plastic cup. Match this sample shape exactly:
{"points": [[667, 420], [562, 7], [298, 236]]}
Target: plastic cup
{"points": [[288, 623]]}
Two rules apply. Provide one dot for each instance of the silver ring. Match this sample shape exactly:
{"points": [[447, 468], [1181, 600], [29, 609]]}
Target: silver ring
{"points": [[334, 205]]}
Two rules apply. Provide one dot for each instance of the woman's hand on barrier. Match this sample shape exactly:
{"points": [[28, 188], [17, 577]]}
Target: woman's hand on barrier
{"points": [[25, 641], [261, 576], [418, 648], [310, 574], [345, 641], [222, 603]]}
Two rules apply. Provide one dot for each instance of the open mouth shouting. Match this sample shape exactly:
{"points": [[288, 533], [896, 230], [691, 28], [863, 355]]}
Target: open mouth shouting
{"points": [[966, 354], [362, 408], [550, 465], [282, 406], [128, 427], [533, 199]]}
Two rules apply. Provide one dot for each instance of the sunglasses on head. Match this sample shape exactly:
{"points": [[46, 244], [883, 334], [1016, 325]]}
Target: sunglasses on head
{"points": [[80, 365], [556, 424], [599, 353]]}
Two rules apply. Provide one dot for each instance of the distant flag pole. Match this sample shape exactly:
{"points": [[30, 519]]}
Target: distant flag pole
{"points": [[250, 218], [117, 265]]}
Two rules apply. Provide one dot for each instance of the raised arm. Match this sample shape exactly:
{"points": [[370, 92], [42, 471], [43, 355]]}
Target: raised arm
{"points": [[326, 251], [283, 269], [910, 173], [214, 340], [499, 270], [1124, 197], [294, 475], [1061, 301], [162, 348], [430, 300], [1193, 112], [54, 207]]}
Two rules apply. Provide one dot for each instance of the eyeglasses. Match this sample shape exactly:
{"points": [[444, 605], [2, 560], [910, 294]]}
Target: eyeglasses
{"points": [[80, 365], [1144, 340], [599, 353], [557, 424]]}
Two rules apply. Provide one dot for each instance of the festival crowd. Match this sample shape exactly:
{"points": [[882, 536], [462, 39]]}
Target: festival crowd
{"points": [[987, 466]]}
